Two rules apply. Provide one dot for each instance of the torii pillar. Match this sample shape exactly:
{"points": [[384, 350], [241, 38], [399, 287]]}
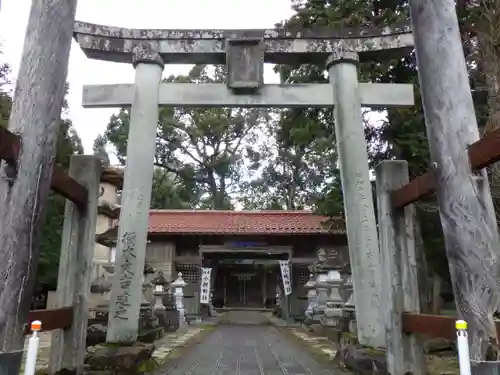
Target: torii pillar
{"points": [[364, 252], [134, 215]]}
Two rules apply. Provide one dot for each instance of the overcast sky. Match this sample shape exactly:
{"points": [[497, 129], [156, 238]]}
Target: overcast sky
{"points": [[160, 14]]}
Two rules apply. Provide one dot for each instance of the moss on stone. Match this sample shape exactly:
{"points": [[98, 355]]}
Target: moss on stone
{"points": [[374, 351], [115, 344], [147, 367], [349, 335]]}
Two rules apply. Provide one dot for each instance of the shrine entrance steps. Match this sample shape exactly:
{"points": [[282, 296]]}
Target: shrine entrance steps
{"points": [[247, 350], [244, 317]]}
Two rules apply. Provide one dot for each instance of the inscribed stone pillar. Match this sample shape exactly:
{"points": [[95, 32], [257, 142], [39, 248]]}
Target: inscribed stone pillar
{"points": [[136, 197], [358, 201]]}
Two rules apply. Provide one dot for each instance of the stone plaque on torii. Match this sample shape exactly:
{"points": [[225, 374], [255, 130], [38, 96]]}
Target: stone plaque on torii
{"points": [[244, 52]]}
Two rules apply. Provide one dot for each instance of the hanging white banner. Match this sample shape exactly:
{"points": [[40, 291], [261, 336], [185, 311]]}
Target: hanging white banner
{"points": [[205, 285], [285, 275]]}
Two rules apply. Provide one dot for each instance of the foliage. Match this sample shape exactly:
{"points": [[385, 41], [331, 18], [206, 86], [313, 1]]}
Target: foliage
{"points": [[5, 99], [68, 143], [401, 134], [292, 167], [202, 147]]}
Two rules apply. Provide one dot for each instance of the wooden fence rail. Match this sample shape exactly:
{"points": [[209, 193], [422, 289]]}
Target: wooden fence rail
{"points": [[61, 182], [436, 326], [51, 318], [484, 152]]}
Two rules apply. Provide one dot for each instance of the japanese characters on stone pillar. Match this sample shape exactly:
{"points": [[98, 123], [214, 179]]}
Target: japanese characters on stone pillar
{"points": [[126, 292], [358, 202]]}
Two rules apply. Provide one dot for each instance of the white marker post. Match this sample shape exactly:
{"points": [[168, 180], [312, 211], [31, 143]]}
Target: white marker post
{"points": [[463, 347], [29, 368]]}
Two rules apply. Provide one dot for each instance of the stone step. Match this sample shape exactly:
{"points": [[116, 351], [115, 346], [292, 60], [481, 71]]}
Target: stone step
{"points": [[244, 317]]}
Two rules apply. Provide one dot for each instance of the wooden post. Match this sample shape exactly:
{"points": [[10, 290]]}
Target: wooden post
{"points": [[75, 266], [399, 273], [465, 205], [25, 185]]}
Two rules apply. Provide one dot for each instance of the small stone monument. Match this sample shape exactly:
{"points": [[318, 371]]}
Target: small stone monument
{"points": [[147, 319], [179, 284], [328, 282], [147, 287], [348, 310], [312, 298], [172, 315], [160, 284], [334, 303]]}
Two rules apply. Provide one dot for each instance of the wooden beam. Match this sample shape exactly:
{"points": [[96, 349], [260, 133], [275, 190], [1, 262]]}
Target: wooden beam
{"points": [[61, 183], [482, 153], [436, 326], [51, 318]]}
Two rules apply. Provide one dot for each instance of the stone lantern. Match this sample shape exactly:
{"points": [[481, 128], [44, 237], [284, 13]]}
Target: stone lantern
{"points": [[147, 319], [328, 309], [147, 296], [322, 295], [348, 310], [312, 297], [334, 303], [160, 287], [179, 284]]}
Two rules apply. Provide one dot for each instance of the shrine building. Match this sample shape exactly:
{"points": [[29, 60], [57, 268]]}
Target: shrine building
{"points": [[241, 247]]}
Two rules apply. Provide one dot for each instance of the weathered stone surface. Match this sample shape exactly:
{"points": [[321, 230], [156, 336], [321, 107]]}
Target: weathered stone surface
{"points": [[196, 34], [374, 95], [143, 53], [245, 64], [108, 357], [362, 361], [209, 46]]}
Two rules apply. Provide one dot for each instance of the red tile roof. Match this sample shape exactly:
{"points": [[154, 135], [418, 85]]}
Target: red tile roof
{"points": [[240, 222]]}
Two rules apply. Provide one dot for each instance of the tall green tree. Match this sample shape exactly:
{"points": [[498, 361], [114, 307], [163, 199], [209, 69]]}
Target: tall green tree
{"points": [[402, 134], [202, 147], [5, 98], [68, 143], [294, 164]]}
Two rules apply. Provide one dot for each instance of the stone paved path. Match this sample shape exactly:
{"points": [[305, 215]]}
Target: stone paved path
{"points": [[247, 350]]}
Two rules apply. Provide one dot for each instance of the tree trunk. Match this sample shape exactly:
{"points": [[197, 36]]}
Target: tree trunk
{"points": [[466, 208], [35, 116]]}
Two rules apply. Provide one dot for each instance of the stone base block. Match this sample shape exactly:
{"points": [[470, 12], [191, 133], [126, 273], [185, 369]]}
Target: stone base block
{"points": [[347, 338], [96, 334], [331, 333], [114, 359], [361, 360], [151, 335]]}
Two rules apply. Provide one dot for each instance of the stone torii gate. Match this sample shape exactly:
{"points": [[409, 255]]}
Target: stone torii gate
{"points": [[244, 52]]}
